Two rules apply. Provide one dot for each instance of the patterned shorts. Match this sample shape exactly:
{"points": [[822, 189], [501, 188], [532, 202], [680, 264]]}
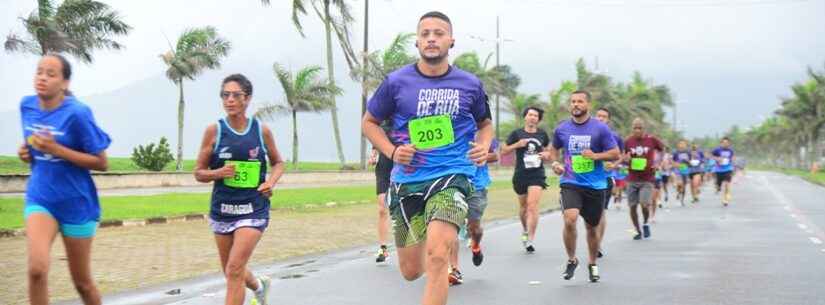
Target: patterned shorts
{"points": [[414, 205], [229, 227]]}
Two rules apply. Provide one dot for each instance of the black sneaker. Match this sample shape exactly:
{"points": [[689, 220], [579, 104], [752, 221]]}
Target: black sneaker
{"points": [[382, 256], [594, 273], [570, 270], [529, 247], [600, 254], [646, 230], [638, 236], [478, 257]]}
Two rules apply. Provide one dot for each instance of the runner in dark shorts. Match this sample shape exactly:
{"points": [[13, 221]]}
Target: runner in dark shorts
{"points": [[383, 169], [529, 144], [586, 143], [603, 115]]}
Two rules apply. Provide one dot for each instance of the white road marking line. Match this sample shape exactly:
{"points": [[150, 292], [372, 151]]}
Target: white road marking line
{"points": [[815, 240], [802, 226]]}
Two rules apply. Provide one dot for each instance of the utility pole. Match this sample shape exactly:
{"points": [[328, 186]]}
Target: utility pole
{"points": [[499, 40], [498, 63], [364, 64]]}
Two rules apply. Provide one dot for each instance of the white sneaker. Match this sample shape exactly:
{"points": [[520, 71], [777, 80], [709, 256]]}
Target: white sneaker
{"points": [[263, 291]]}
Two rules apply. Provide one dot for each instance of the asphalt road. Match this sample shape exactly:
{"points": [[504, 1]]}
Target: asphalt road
{"points": [[766, 248]]}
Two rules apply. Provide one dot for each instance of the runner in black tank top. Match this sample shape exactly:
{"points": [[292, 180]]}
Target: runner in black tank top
{"points": [[234, 155]]}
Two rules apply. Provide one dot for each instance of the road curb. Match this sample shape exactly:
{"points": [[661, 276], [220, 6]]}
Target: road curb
{"points": [[8, 233]]}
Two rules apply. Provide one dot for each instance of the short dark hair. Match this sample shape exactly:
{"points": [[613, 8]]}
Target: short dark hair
{"points": [[585, 92], [437, 15], [602, 109], [244, 82], [537, 109], [725, 139]]}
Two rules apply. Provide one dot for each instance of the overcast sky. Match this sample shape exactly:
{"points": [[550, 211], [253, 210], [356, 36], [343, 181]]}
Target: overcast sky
{"points": [[727, 61]]}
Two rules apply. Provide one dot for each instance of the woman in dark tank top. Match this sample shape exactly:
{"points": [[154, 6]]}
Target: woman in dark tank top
{"points": [[235, 155]]}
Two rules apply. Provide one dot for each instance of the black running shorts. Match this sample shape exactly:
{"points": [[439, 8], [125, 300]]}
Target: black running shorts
{"points": [[589, 202]]}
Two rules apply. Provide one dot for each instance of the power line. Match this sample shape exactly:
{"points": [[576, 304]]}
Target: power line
{"points": [[675, 3]]}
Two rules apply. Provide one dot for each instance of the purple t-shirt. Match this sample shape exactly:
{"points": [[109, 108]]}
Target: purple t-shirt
{"points": [[406, 94], [575, 138]]}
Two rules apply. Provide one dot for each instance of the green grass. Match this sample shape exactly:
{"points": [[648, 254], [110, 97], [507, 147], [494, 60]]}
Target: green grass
{"points": [[167, 205], [13, 165], [818, 178]]}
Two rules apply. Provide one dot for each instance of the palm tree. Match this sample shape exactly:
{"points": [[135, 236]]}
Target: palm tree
{"points": [[76, 27], [556, 110], [497, 80], [381, 63], [336, 16], [305, 92], [521, 101], [806, 111], [196, 50]]}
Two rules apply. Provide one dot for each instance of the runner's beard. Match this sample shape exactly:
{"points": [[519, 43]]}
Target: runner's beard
{"points": [[581, 114], [434, 60]]}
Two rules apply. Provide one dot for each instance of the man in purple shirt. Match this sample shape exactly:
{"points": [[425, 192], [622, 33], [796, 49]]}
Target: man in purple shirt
{"points": [[441, 132], [587, 143]]}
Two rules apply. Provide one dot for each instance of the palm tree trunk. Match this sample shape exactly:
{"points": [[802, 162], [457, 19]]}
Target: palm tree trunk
{"points": [[179, 162], [363, 151], [331, 75], [294, 140], [812, 156]]}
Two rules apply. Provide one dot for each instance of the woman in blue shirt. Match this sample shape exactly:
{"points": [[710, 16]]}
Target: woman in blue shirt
{"points": [[234, 155], [62, 143]]}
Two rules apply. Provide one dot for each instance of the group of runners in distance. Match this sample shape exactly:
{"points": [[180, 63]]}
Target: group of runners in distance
{"points": [[429, 123], [430, 126]]}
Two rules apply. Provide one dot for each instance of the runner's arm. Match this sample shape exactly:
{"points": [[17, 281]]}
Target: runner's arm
{"points": [[512, 144], [47, 144], [484, 135], [610, 155], [275, 160], [202, 171], [371, 127]]}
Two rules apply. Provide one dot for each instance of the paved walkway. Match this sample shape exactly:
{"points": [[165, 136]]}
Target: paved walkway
{"points": [[127, 258], [766, 248]]}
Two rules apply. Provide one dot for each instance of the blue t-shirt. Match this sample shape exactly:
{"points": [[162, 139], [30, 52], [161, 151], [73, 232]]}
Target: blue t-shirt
{"points": [[614, 173], [575, 138], [682, 159], [710, 166], [727, 159], [482, 178], [699, 156], [62, 187], [406, 94]]}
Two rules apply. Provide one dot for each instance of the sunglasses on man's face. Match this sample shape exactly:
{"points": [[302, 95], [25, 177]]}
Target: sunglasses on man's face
{"points": [[234, 94]]}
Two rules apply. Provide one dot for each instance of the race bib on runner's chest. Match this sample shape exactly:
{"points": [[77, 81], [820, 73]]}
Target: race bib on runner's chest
{"points": [[247, 174], [582, 165], [431, 132], [532, 161], [683, 167], [725, 161], [638, 164]]}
